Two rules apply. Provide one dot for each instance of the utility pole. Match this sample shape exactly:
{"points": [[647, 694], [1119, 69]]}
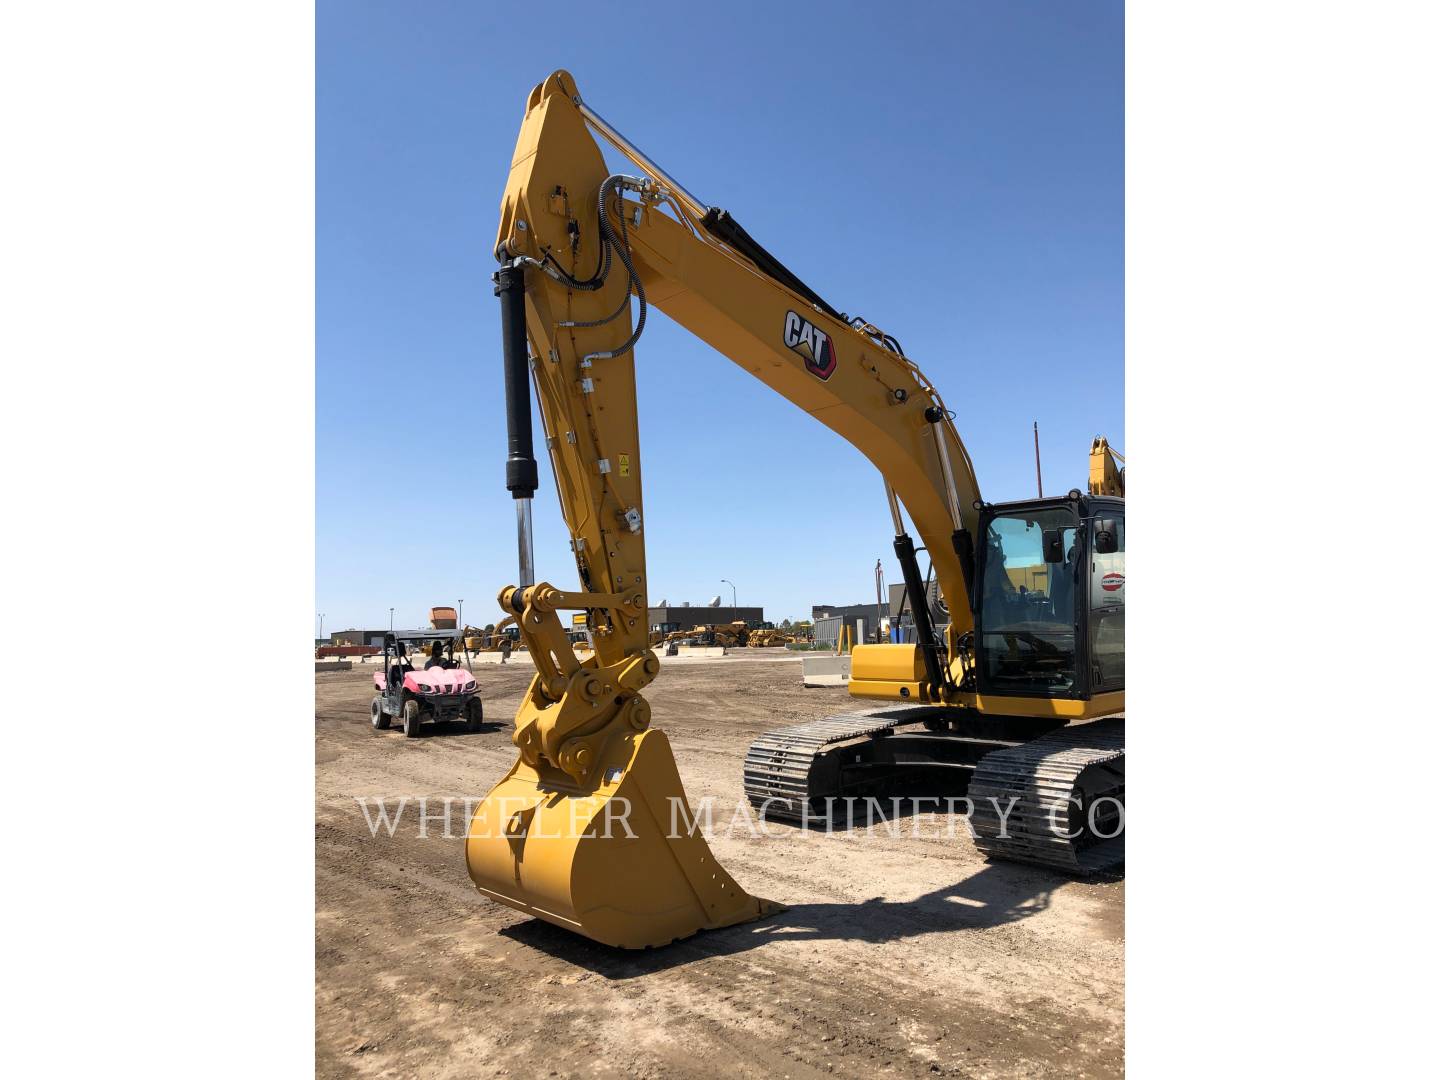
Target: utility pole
{"points": [[1039, 488]]}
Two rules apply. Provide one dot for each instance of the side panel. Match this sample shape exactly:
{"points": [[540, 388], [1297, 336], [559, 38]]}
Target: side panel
{"points": [[1065, 708], [888, 672]]}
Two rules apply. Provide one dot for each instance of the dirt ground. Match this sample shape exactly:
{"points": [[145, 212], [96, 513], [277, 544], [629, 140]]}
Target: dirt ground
{"points": [[898, 955]]}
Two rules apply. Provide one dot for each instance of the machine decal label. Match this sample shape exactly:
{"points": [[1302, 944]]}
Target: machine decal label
{"points": [[624, 464], [1112, 582], [812, 343]]}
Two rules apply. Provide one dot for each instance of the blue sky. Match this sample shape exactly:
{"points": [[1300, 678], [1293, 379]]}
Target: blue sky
{"points": [[952, 171]]}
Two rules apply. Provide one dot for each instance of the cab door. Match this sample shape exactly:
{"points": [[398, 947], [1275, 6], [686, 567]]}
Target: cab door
{"points": [[1105, 632]]}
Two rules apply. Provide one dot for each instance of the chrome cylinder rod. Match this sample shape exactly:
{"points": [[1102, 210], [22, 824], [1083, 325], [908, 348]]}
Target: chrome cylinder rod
{"points": [[937, 428], [526, 537], [894, 509], [640, 158]]}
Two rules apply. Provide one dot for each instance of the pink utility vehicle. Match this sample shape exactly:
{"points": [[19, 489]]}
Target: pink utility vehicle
{"points": [[433, 688]]}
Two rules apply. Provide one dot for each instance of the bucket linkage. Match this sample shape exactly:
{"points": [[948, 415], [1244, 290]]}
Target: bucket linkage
{"points": [[590, 829]]}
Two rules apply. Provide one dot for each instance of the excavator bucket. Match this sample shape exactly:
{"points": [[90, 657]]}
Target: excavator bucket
{"points": [[621, 860]]}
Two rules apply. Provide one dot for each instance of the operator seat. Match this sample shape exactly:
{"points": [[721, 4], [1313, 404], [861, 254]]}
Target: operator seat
{"points": [[1063, 588], [397, 670]]}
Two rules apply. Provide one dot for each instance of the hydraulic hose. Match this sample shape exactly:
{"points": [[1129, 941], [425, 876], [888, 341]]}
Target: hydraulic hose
{"points": [[621, 247]]}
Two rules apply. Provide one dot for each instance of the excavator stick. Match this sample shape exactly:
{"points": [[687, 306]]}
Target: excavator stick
{"points": [[590, 829]]}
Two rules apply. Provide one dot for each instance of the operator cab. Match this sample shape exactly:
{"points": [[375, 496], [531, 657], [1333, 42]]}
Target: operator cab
{"points": [[1050, 597]]}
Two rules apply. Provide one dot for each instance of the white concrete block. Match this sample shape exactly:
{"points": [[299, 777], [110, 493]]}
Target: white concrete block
{"points": [[825, 670]]}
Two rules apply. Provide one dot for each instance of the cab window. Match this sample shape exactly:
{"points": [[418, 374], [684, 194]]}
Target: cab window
{"points": [[1027, 609]]}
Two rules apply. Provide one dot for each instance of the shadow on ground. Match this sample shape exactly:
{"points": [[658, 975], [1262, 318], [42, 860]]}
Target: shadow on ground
{"points": [[996, 895], [445, 728]]}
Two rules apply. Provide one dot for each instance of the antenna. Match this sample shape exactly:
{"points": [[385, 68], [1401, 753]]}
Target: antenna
{"points": [[1039, 488]]}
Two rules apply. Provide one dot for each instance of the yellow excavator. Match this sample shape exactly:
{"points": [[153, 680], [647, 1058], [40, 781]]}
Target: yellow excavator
{"points": [[766, 639], [1107, 469], [491, 638], [589, 829], [729, 635]]}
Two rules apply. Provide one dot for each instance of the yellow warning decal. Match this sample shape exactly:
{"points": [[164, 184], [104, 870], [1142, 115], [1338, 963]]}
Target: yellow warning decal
{"points": [[624, 464]]}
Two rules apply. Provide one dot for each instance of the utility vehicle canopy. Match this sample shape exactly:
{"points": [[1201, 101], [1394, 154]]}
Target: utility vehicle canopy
{"points": [[427, 635]]}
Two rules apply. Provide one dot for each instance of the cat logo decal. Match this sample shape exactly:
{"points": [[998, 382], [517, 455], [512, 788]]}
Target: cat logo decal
{"points": [[807, 339]]}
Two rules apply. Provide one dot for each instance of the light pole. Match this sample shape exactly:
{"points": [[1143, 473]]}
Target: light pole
{"points": [[392, 620], [460, 616], [726, 581], [321, 616]]}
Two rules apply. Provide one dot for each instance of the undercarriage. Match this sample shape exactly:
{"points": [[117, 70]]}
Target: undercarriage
{"points": [[1035, 790]]}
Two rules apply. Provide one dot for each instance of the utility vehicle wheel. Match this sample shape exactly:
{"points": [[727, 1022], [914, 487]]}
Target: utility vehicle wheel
{"points": [[411, 715], [474, 715], [379, 718]]}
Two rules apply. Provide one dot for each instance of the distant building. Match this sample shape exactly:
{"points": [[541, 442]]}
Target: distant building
{"points": [[358, 637], [669, 619], [829, 618], [848, 612]]}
